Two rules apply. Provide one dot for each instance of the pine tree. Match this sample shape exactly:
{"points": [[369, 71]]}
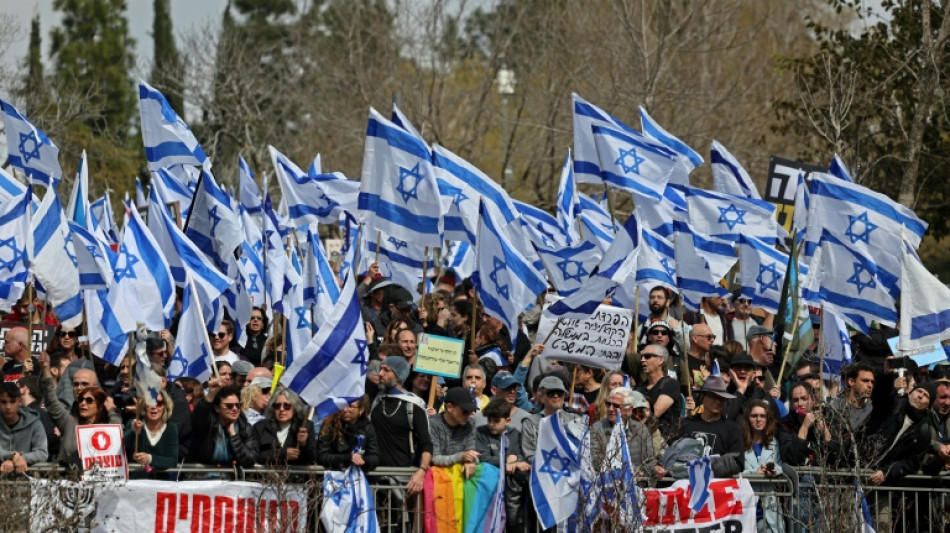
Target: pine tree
{"points": [[33, 86], [167, 71]]}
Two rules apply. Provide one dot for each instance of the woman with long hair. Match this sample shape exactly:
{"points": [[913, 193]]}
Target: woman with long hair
{"points": [[253, 349], [758, 426], [285, 434], [340, 446], [392, 329], [253, 402], [150, 439], [220, 432], [803, 432]]}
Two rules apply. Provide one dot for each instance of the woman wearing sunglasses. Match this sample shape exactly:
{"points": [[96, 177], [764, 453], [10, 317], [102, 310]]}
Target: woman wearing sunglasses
{"points": [[150, 439], [285, 435], [221, 434], [759, 429], [66, 342]]}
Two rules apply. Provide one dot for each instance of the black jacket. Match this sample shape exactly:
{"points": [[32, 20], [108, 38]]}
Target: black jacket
{"points": [[205, 424], [335, 454], [271, 452]]}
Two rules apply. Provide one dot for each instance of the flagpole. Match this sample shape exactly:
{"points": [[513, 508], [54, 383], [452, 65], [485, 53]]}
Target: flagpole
{"points": [[194, 197], [356, 254], [30, 309], [821, 358], [201, 316], [788, 348], [425, 268], [379, 238], [685, 371], [472, 333]]}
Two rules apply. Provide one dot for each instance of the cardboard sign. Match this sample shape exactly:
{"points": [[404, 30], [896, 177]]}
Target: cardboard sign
{"points": [[439, 356], [101, 452], [41, 334], [600, 340]]}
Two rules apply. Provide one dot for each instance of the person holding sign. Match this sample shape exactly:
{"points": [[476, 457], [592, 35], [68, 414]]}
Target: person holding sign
{"points": [[22, 435], [150, 439]]}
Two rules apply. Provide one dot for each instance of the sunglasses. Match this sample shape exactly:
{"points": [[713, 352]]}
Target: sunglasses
{"points": [[709, 337], [282, 406], [231, 406], [257, 318], [659, 332], [760, 378], [71, 334], [615, 405], [87, 399], [647, 355], [554, 394], [218, 335], [743, 301]]}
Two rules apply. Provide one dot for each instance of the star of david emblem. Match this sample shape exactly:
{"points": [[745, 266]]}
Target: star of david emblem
{"points": [[130, 260], [860, 222], [258, 246], [459, 198], [731, 216], [855, 278], [571, 269], [29, 154], [213, 215], [72, 256], [546, 236], [302, 319], [253, 278], [499, 267], [631, 165], [360, 358], [666, 266], [338, 494], [318, 288], [397, 243], [405, 175], [95, 252], [773, 276], [547, 468], [16, 254], [178, 363]]}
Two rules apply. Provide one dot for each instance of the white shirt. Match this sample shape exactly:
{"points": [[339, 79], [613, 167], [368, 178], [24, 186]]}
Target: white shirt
{"points": [[230, 357]]}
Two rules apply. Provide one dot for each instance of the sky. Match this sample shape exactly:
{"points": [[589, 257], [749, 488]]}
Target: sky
{"points": [[187, 16]]}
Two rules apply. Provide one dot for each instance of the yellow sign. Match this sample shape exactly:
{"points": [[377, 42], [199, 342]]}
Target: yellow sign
{"points": [[439, 356]]}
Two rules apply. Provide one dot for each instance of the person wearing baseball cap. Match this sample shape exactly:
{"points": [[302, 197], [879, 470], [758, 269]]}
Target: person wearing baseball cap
{"points": [[761, 345], [505, 386], [552, 393], [453, 431]]}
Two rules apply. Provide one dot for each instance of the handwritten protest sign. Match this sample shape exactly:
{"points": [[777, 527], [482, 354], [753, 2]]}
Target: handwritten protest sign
{"points": [[439, 356], [600, 340], [924, 356]]}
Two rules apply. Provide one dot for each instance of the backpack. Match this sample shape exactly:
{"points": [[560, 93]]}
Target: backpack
{"points": [[678, 454]]}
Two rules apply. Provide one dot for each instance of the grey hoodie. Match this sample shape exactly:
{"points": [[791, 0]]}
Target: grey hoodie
{"points": [[27, 436]]}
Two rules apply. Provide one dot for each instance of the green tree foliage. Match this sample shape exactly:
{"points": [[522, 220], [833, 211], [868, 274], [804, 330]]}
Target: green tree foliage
{"points": [[874, 91], [166, 73], [33, 83]]}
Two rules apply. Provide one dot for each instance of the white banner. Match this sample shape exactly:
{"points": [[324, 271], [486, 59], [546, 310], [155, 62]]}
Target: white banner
{"points": [[209, 506], [731, 507], [600, 340]]}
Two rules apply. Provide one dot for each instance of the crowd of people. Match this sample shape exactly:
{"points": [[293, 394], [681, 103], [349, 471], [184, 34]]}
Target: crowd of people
{"points": [[704, 383]]}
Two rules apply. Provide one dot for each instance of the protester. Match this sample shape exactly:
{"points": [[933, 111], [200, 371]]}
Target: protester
{"points": [[151, 440], [285, 435], [453, 432], [661, 391], [803, 433], [762, 458], [256, 329], [22, 435], [16, 349], [221, 342], [221, 433], [347, 438], [620, 407], [254, 399]]}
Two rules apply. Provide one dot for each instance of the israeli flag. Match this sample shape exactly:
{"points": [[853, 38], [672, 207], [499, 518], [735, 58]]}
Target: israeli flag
{"points": [[729, 176], [862, 510], [248, 193], [167, 139], [213, 223], [656, 264], [252, 262], [401, 262], [399, 194], [541, 227], [568, 268], [461, 184], [77, 210], [863, 217], [506, 282], [585, 117], [142, 272], [353, 249], [54, 263], [652, 129], [330, 372], [616, 486], [236, 300], [568, 203], [110, 321], [925, 305], [461, 259], [299, 322], [837, 343], [16, 246], [555, 473], [633, 163], [348, 502], [598, 226], [694, 277], [29, 149], [148, 384], [10, 188], [726, 216], [94, 258], [322, 293], [101, 213], [802, 206], [169, 188], [838, 169], [851, 284], [313, 198], [193, 355], [496, 517], [700, 474], [662, 215], [762, 271], [618, 265]]}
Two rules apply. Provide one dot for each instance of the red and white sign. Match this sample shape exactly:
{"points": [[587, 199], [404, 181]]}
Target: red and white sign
{"points": [[101, 452], [731, 508], [206, 506]]}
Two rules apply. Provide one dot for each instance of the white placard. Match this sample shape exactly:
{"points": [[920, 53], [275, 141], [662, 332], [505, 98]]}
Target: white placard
{"points": [[101, 452], [600, 340]]}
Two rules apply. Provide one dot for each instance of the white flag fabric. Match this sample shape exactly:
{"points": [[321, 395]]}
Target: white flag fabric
{"points": [[248, 192], [634, 163], [652, 129], [762, 271], [54, 264], [726, 216], [16, 247], [568, 203], [143, 271], [77, 210], [29, 149], [330, 373], [585, 116], [700, 474], [837, 343], [555, 473], [167, 139], [348, 502], [313, 197], [925, 305], [193, 355], [729, 176]]}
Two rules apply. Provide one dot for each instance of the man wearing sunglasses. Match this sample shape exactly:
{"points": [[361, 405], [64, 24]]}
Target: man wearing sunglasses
{"points": [[553, 393], [221, 343], [743, 319], [660, 390]]}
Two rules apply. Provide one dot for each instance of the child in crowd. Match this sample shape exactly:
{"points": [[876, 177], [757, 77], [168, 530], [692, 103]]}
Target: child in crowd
{"points": [[488, 445]]}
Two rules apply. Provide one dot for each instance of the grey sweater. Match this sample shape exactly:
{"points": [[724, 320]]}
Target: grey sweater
{"points": [[27, 436], [448, 443]]}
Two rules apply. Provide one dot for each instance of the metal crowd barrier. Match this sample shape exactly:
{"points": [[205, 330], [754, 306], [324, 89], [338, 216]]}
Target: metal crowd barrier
{"points": [[809, 499]]}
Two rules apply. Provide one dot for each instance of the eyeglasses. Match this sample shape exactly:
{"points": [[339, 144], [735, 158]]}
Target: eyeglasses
{"points": [[257, 318], [217, 335], [743, 301], [760, 378], [282, 406], [647, 355], [78, 384], [87, 400], [71, 334], [757, 416], [659, 332], [159, 402], [231, 406], [554, 394], [709, 337], [616, 405]]}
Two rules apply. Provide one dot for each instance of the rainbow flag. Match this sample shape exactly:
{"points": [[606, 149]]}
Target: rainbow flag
{"points": [[453, 504]]}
